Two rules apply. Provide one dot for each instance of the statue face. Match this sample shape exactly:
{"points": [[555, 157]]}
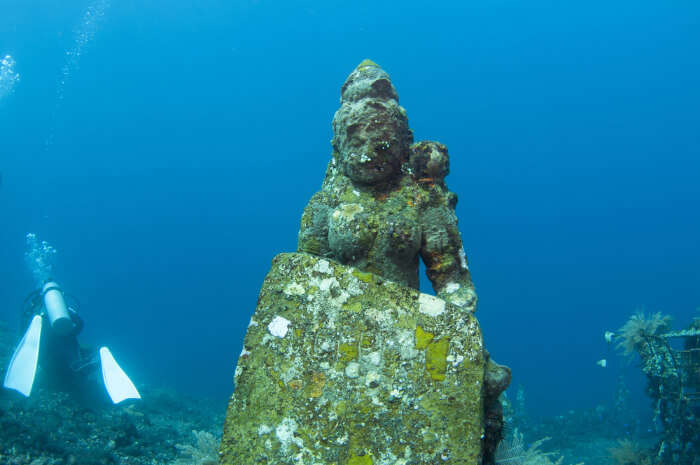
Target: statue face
{"points": [[369, 160], [373, 144]]}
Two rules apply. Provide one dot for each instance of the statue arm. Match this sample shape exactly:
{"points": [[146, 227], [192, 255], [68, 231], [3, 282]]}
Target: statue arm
{"points": [[313, 233], [444, 258]]}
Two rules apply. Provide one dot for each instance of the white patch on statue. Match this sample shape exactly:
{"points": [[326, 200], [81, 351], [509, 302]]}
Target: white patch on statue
{"points": [[326, 284], [279, 326], [352, 370], [373, 358], [264, 429], [373, 380], [451, 287], [294, 289], [323, 267], [285, 434], [431, 305], [463, 258]]}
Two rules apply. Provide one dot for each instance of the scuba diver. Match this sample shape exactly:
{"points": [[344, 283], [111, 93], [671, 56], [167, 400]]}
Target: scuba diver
{"points": [[51, 340]]}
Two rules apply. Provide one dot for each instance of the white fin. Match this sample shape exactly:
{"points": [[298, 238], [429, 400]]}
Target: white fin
{"points": [[119, 386], [22, 368]]}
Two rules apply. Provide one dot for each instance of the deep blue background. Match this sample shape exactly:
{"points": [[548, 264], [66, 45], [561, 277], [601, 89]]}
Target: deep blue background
{"points": [[192, 134]]}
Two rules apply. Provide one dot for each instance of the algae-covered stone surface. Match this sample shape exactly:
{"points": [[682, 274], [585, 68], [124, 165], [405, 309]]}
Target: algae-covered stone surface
{"points": [[384, 204], [345, 362], [344, 367]]}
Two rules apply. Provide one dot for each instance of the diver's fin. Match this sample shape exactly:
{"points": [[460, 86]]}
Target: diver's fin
{"points": [[22, 368], [119, 386]]}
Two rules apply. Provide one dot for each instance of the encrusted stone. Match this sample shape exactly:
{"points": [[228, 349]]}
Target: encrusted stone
{"points": [[345, 361], [367, 400]]}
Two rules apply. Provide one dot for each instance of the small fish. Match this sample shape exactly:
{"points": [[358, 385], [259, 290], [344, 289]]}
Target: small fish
{"points": [[602, 363], [609, 335]]}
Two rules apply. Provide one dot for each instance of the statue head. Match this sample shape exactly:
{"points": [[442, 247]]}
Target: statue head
{"points": [[371, 135]]}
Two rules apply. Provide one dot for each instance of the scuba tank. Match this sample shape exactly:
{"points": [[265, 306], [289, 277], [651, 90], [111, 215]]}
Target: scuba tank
{"points": [[56, 308]]}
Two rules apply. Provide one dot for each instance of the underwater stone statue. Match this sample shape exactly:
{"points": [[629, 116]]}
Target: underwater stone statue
{"points": [[345, 362], [384, 201]]}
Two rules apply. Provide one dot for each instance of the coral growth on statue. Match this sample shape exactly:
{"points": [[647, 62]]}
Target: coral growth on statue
{"points": [[344, 360]]}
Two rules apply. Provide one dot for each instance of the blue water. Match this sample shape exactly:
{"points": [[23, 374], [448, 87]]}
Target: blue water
{"points": [[169, 155]]}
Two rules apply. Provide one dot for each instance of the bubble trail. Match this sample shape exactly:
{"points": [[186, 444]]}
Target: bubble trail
{"points": [[8, 76], [83, 35], [40, 257]]}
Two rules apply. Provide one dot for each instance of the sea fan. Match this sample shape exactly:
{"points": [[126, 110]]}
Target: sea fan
{"points": [[512, 451], [639, 328], [628, 451], [204, 452]]}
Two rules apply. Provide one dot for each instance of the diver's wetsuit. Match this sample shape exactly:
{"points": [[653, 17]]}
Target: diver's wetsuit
{"points": [[61, 358]]}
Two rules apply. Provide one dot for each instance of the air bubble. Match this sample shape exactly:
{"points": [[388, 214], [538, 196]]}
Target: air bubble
{"points": [[8, 76]]}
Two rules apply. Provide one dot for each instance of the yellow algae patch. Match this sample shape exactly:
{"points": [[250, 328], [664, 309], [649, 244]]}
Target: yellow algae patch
{"points": [[436, 358], [423, 338], [353, 306], [367, 63], [362, 276], [347, 211], [318, 381], [360, 460], [295, 384], [348, 352]]}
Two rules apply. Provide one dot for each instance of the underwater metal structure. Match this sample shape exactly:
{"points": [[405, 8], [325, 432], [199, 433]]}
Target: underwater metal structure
{"points": [[673, 374]]}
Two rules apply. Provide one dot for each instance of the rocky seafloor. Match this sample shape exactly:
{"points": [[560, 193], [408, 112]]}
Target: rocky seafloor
{"points": [[168, 428], [56, 428]]}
